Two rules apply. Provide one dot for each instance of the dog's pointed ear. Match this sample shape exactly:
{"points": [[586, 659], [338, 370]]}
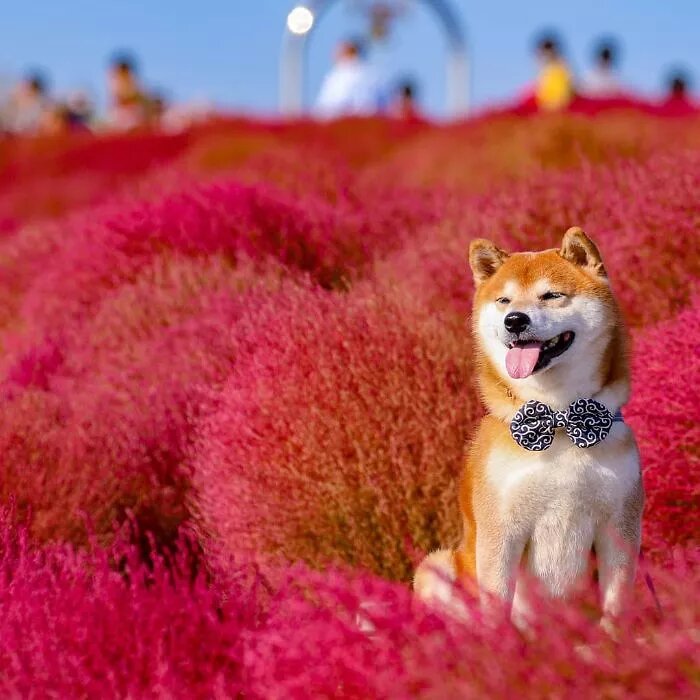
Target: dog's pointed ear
{"points": [[484, 259], [579, 249]]}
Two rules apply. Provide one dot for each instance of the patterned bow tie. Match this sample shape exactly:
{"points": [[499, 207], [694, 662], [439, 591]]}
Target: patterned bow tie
{"points": [[586, 422]]}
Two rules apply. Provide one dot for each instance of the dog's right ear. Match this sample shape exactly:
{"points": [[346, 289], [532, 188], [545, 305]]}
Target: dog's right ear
{"points": [[485, 258]]}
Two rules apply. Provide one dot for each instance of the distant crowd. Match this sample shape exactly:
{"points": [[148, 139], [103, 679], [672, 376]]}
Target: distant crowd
{"points": [[352, 86], [556, 86], [31, 109]]}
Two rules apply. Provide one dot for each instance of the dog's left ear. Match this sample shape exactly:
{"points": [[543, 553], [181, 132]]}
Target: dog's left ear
{"points": [[578, 248]]}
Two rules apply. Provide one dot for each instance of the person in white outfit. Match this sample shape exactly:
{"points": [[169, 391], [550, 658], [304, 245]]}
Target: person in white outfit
{"points": [[27, 107], [351, 88], [602, 80]]}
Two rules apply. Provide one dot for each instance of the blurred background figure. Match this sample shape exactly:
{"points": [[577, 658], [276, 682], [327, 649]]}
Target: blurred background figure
{"points": [[25, 111], [173, 118], [678, 100], [157, 108], [56, 120], [602, 79], [129, 104], [404, 104], [62, 118], [81, 108], [351, 88], [678, 84], [554, 88]]}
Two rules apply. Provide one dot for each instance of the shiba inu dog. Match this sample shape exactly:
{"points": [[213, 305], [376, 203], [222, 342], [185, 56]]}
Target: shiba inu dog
{"points": [[553, 472]]}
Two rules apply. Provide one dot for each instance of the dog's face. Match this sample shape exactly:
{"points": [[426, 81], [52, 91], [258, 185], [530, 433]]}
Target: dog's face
{"points": [[536, 311]]}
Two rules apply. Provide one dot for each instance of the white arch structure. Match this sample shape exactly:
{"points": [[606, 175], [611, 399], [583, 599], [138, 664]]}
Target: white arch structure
{"points": [[301, 22]]}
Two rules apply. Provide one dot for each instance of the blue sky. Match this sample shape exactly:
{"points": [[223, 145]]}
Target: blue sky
{"points": [[228, 50]]}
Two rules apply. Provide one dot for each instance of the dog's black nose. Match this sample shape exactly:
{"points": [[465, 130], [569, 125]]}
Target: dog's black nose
{"points": [[516, 321]]}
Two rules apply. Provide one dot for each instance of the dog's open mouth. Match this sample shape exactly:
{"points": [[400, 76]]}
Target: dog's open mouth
{"points": [[524, 357]]}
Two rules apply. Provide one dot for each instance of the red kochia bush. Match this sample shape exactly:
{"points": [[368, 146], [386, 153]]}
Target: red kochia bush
{"points": [[95, 421], [642, 215], [226, 219], [309, 646], [44, 178], [72, 626], [100, 623], [331, 241], [162, 362], [340, 431], [31, 250], [665, 414]]}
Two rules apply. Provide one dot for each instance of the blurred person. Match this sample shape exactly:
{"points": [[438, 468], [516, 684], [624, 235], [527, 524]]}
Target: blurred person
{"points": [[60, 119], [677, 86], [178, 117], [128, 102], [352, 86], [167, 117], [678, 100], [81, 109], [56, 120], [405, 105], [602, 80], [554, 88], [27, 105], [157, 108]]}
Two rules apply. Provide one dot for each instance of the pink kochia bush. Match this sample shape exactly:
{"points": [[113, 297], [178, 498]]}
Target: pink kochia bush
{"points": [[330, 241], [339, 433], [240, 359], [95, 428], [101, 623], [643, 216], [665, 415], [45, 178]]}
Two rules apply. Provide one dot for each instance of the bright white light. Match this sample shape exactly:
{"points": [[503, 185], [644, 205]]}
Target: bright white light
{"points": [[300, 20]]}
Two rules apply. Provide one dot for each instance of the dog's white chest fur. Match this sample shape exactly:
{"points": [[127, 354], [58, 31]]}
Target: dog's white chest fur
{"points": [[555, 501]]}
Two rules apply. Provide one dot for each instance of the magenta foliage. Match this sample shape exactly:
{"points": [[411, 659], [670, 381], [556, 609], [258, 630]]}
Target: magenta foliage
{"points": [[642, 215], [278, 354], [665, 414], [101, 623], [311, 646], [329, 240], [73, 625], [46, 178], [340, 431], [100, 424]]}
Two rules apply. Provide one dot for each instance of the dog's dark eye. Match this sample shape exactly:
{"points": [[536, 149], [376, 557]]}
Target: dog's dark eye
{"points": [[551, 295], [503, 300]]}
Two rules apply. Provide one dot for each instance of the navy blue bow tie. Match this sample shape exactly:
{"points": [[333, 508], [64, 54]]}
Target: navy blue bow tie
{"points": [[586, 422]]}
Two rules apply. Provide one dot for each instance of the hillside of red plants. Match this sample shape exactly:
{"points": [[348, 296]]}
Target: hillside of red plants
{"points": [[236, 382]]}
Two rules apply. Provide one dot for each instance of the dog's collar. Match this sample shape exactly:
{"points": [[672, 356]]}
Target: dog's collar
{"points": [[586, 421]]}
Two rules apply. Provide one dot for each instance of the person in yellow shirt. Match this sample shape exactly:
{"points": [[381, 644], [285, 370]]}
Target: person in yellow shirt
{"points": [[555, 85]]}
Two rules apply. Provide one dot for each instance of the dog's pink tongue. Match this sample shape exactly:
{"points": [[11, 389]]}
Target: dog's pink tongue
{"points": [[521, 361]]}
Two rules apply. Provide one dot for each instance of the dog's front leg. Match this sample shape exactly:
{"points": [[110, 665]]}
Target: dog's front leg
{"points": [[617, 544], [498, 556]]}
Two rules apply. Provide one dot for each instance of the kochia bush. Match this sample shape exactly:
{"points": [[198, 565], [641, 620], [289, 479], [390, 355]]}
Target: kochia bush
{"points": [[76, 625], [260, 331], [665, 416], [339, 433]]}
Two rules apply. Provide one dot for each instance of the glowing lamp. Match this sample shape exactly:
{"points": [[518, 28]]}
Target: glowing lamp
{"points": [[300, 20]]}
